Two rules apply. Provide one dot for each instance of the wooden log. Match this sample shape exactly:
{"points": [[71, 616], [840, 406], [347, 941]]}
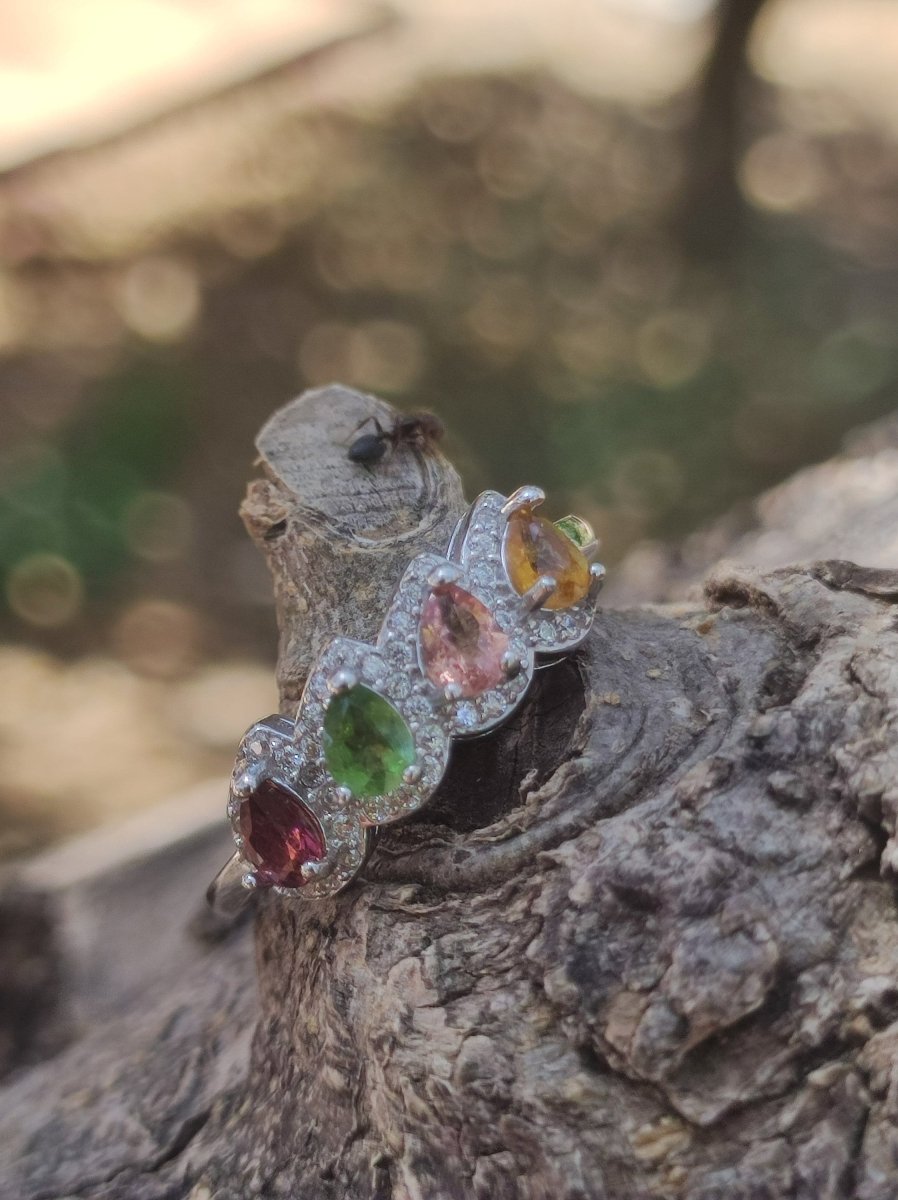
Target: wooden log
{"points": [[642, 944]]}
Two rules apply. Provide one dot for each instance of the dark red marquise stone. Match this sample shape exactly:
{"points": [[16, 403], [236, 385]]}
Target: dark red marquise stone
{"points": [[279, 835]]}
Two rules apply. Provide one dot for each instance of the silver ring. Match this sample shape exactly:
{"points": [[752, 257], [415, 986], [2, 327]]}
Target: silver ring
{"points": [[454, 658]]}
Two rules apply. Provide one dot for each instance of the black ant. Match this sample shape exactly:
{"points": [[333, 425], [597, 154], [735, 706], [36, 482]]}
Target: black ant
{"points": [[420, 431]]}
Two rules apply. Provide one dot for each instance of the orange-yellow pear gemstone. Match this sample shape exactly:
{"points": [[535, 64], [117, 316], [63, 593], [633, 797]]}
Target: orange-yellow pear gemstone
{"points": [[534, 547]]}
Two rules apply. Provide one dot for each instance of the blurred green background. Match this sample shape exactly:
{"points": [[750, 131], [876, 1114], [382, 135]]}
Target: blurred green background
{"points": [[642, 252]]}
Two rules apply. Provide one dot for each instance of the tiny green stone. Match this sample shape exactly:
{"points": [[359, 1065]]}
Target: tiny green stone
{"points": [[579, 531], [367, 744]]}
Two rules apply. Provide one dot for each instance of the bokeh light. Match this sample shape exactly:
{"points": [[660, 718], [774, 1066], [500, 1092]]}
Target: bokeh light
{"points": [[523, 216], [159, 298], [158, 638], [158, 526], [783, 173], [45, 590]]}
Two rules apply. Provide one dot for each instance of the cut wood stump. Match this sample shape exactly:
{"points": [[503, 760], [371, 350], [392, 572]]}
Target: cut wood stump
{"points": [[643, 943]]}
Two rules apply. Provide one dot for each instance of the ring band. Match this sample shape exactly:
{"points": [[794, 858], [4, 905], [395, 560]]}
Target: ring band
{"points": [[454, 659]]}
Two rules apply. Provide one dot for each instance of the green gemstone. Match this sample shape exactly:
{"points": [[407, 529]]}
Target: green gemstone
{"points": [[367, 745], [579, 531]]}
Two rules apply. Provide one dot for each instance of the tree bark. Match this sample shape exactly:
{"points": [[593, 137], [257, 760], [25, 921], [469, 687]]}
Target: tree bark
{"points": [[642, 944]]}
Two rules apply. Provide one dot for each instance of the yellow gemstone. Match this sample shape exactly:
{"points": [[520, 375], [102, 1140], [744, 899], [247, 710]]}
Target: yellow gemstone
{"points": [[534, 547]]}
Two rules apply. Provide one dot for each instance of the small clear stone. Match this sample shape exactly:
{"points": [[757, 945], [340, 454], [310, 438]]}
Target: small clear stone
{"points": [[431, 745], [372, 668], [466, 716], [418, 708], [398, 654]]}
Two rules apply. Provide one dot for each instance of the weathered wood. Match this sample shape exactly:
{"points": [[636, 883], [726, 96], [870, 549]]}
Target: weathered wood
{"points": [[644, 944]]}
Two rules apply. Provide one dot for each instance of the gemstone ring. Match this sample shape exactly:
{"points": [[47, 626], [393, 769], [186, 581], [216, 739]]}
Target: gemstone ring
{"points": [[372, 735]]}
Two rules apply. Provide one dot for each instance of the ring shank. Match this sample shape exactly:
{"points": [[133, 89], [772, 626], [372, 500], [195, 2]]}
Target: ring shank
{"points": [[227, 899], [226, 895]]}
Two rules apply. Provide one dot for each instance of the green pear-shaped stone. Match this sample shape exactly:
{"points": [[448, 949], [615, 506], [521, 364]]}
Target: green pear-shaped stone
{"points": [[367, 744]]}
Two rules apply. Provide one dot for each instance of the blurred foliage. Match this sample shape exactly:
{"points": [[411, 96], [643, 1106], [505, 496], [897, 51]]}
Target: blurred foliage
{"points": [[498, 249], [67, 505]]}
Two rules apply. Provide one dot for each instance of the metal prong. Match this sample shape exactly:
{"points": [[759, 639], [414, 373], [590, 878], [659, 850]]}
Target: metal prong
{"points": [[343, 794], [512, 664], [443, 575], [597, 580], [525, 497], [459, 534], [341, 681], [412, 774], [247, 781], [452, 692], [316, 870], [535, 597]]}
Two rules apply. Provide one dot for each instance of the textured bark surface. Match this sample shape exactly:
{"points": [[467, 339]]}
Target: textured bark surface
{"points": [[643, 944]]}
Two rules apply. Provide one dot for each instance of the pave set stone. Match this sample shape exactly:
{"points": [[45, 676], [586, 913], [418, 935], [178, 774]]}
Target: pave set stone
{"points": [[454, 658]]}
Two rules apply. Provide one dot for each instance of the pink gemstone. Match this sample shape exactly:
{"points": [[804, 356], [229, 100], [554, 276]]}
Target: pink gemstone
{"points": [[279, 835], [460, 641]]}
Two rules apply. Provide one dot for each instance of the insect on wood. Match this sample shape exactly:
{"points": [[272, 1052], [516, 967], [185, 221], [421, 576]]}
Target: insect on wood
{"points": [[419, 431]]}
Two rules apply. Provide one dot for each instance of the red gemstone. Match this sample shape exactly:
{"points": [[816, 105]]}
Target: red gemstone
{"points": [[460, 641], [279, 835]]}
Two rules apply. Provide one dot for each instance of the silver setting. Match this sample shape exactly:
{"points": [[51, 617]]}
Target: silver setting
{"points": [[597, 580], [316, 870], [460, 716], [293, 756], [342, 681], [512, 665], [444, 574], [525, 497], [268, 751], [544, 589], [392, 677], [246, 783], [482, 556]]}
